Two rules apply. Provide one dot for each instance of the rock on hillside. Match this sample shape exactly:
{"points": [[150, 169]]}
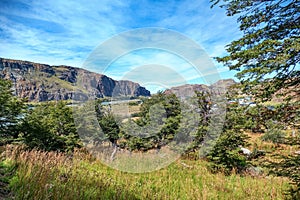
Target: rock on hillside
{"points": [[42, 82]]}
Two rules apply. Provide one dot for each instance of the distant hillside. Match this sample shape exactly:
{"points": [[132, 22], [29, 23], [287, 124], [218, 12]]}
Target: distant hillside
{"points": [[188, 90], [42, 82]]}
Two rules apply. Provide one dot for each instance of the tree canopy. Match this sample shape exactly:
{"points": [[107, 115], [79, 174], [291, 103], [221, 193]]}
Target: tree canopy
{"points": [[268, 51], [10, 110], [50, 126], [267, 60]]}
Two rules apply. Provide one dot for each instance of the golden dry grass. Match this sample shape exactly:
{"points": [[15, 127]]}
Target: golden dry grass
{"points": [[52, 175]]}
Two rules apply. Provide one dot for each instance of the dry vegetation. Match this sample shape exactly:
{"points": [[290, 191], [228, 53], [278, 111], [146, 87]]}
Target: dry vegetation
{"points": [[52, 175]]}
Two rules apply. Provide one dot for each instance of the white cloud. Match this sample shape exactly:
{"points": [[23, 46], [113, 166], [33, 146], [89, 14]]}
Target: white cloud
{"points": [[66, 32]]}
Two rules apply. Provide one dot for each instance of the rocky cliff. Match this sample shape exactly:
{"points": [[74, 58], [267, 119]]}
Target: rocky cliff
{"points": [[42, 82]]}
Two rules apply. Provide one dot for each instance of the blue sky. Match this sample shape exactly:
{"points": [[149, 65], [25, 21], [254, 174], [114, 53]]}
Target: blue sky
{"points": [[67, 32]]}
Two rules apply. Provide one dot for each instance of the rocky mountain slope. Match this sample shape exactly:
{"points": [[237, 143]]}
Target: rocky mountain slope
{"points": [[188, 90], [42, 82]]}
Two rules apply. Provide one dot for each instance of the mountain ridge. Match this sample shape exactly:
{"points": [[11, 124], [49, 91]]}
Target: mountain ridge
{"points": [[188, 90], [42, 82]]}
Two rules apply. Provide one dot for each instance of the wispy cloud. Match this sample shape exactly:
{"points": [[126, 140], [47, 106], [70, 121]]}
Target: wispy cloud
{"points": [[66, 32]]}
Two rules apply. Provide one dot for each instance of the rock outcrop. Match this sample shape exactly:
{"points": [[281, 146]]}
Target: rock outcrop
{"points": [[42, 82]]}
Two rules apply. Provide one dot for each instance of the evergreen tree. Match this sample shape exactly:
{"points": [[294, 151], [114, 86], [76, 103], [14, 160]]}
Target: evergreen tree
{"points": [[267, 55], [225, 154], [11, 109], [50, 126]]}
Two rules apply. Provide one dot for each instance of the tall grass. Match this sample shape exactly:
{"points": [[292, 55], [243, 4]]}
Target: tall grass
{"points": [[52, 175]]}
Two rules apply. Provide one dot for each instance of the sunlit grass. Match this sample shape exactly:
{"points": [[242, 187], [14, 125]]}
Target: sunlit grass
{"points": [[42, 175]]}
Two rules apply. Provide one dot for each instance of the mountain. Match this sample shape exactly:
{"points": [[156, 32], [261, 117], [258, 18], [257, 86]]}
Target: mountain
{"points": [[223, 83], [42, 82], [188, 90]]}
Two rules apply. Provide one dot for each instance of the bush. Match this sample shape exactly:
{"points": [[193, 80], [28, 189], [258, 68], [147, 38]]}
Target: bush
{"points": [[50, 126], [289, 167], [157, 125], [135, 115], [274, 133], [225, 154], [133, 103], [11, 108]]}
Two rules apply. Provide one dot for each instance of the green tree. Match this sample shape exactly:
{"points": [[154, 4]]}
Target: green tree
{"points": [[87, 122], [157, 125], [110, 127], [50, 126], [225, 155], [267, 55], [109, 123], [11, 109], [274, 133], [201, 115]]}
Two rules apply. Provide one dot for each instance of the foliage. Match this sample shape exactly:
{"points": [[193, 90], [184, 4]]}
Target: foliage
{"points": [[275, 121], [204, 108], [11, 109], [274, 133], [225, 154], [108, 122], [174, 127], [256, 118], [269, 47], [110, 127], [133, 103], [267, 55], [50, 126], [289, 167], [260, 117], [7, 172], [157, 125], [169, 101]]}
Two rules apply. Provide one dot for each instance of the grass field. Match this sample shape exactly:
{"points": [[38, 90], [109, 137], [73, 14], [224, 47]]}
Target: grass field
{"points": [[42, 175]]}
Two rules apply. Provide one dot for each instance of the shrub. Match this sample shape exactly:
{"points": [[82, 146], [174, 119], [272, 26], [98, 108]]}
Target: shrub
{"points": [[50, 126], [11, 108], [273, 134], [225, 155]]}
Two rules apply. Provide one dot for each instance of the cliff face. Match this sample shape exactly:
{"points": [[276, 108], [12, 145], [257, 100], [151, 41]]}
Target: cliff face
{"points": [[41, 82]]}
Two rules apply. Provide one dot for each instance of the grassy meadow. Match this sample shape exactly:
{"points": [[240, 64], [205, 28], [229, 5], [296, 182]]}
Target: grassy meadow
{"points": [[56, 176]]}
